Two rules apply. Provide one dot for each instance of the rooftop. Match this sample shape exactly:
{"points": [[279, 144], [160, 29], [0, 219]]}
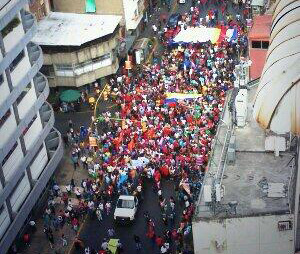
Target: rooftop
{"points": [[70, 29], [261, 28], [254, 170]]}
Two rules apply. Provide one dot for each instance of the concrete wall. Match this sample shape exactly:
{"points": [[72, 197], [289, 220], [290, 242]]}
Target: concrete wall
{"points": [[12, 38], [113, 7], [255, 235], [84, 55]]}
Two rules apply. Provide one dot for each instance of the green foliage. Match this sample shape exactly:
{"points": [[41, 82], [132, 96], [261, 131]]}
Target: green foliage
{"points": [[10, 26]]}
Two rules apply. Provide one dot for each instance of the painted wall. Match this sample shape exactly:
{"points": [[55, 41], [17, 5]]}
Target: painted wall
{"points": [[33, 133], [133, 13], [19, 195], [13, 38], [8, 128], [255, 235], [27, 102], [4, 90], [13, 162], [21, 69], [108, 7], [4, 221], [38, 164]]}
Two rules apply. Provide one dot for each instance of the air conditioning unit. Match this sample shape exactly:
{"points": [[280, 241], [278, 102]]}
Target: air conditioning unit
{"points": [[241, 101]]}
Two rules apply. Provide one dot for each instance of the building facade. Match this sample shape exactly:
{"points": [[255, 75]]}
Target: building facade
{"points": [[132, 11], [30, 147], [249, 202], [40, 8], [86, 51]]}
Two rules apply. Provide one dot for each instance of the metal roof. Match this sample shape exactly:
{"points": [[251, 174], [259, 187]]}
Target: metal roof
{"points": [[277, 100], [261, 27], [70, 29]]}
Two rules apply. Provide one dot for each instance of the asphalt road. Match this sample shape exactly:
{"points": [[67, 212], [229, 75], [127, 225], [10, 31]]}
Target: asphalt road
{"points": [[93, 231]]}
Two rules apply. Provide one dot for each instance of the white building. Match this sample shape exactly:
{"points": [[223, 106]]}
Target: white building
{"points": [[133, 14], [256, 208], [78, 48], [30, 148]]}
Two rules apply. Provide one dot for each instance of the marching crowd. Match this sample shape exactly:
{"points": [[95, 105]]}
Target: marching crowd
{"points": [[152, 137]]}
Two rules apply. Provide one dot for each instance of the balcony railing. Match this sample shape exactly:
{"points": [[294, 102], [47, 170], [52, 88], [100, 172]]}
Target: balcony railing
{"points": [[36, 60], [9, 186], [55, 145], [28, 20], [9, 10], [43, 92], [30, 29]]}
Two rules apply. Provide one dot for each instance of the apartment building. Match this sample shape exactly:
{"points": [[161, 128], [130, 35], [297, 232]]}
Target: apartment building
{"points": [[30, 147], [79, 49], [132, 11]]}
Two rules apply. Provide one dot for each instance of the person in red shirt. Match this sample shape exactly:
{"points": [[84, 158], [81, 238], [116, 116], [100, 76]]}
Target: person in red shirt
{"points": [[159, 241]]}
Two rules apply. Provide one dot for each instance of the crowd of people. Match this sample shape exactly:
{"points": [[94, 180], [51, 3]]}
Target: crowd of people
{"points": [[152, 138]]}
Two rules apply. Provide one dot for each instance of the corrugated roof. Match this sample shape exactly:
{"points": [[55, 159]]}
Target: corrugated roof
{"points": [[261, 28], [70, 29], [277, 101]]}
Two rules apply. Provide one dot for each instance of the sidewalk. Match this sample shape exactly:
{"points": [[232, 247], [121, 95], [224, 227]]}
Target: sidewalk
{"points": [[39, 243]]}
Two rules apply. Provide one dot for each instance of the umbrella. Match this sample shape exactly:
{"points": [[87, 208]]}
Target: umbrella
{"points": [[69, 95], [113, 245]]}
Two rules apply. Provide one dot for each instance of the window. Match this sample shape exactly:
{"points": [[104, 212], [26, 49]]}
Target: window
{"points": [[47, 70], [64, 67], [29, 125], [10, 26], [265, 44], [9, 154], [22, 95], [1, 79], [260, 44], [4, 117], [101, 58], [285, 225], [256, 44], [16, 61]]}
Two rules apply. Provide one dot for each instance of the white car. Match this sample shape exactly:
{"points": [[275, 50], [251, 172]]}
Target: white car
{"points": [[126, 208], [181, 1]]}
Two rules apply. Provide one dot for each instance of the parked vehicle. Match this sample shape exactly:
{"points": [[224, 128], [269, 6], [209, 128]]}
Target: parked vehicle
{"points": [[181, 1], [126, 208]]}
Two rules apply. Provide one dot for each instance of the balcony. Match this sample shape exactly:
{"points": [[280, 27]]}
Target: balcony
{"points": [[55, 145], [47, 115], [28, 20], [41, 84], [42, 89], [30, 29], [46, 112], [36, 60], [9, 10]]}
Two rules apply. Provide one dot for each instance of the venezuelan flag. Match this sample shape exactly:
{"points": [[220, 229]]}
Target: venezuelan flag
{"points": [[215, 35]]}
